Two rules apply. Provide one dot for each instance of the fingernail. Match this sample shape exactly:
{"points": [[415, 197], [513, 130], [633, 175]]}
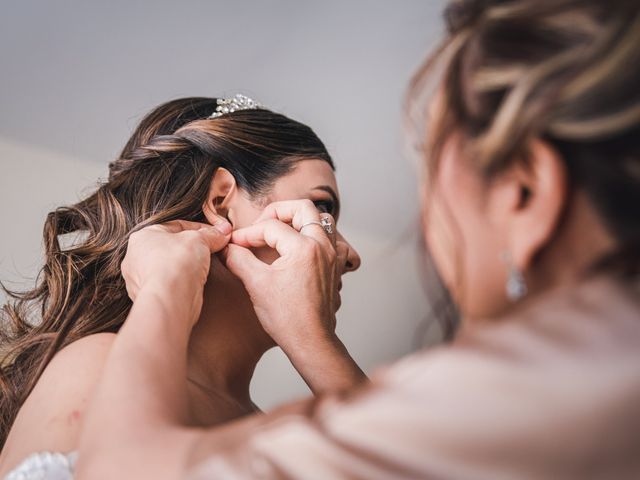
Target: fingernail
{"points": [[223, 227]]}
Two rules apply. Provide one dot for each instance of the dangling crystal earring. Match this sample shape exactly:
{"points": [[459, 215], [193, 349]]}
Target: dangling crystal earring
{"points": [[516, 287]]}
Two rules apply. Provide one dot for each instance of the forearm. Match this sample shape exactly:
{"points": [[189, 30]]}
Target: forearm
{"points": [[141, 399], [325, 364], [149, 357]]}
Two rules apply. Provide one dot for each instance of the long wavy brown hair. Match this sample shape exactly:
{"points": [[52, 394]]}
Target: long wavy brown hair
{"points": [[163, 173]]}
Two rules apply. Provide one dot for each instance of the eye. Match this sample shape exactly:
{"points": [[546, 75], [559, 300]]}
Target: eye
{"points": [[324, 206]]}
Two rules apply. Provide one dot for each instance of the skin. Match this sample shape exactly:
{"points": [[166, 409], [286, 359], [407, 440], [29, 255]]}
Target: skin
{"points": [[166, 303], [228, 333], [551, 234], [223, 348]]}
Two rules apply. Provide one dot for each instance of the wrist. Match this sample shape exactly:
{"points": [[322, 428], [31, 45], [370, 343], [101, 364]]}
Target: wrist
{"points": [[325, 365], [316, 346], [179, 298], [315, 336]]}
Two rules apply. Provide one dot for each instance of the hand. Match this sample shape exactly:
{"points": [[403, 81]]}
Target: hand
{"points": [[296, 297], [175, 254]]}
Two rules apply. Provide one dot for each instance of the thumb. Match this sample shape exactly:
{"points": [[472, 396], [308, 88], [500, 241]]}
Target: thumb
{"points": [[216, 237], [242, 262]]}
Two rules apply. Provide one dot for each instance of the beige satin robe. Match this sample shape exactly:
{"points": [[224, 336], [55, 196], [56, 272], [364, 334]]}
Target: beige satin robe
{"points": [[550, 393]]}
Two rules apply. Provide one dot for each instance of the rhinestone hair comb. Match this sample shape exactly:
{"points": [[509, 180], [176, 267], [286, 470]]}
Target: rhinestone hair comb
{"points": [[234, 104]]}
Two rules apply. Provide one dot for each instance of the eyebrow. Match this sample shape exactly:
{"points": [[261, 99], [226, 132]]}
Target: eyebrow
{"points": [[334, 196]]}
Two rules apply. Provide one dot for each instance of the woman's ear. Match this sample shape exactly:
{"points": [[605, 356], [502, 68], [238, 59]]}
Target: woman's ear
{"points": [[221, 194], [530, 201]]}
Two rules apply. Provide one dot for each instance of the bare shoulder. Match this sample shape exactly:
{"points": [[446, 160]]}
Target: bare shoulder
{"points": [[51, 417]]}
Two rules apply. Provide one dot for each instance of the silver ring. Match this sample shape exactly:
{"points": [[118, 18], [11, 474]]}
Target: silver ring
{"points": [[324, 222]]}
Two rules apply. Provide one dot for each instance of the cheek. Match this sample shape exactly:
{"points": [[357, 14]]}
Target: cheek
{"points": [[463, 244], [438, 235], [244, 214]]}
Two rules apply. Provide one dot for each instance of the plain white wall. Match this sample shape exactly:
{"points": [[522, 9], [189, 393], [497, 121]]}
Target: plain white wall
{"points": [[77, 76]]}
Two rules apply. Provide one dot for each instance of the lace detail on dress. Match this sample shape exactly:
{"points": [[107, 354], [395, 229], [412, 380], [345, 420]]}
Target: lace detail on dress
{"points": [[45, 466]]}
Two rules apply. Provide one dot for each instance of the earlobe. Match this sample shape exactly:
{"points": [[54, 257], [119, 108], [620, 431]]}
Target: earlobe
{"points": [[220, 198], [542, 200]]}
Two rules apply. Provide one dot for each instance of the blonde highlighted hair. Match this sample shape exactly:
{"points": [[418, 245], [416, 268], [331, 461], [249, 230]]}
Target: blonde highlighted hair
{"points": [[566, 71]]}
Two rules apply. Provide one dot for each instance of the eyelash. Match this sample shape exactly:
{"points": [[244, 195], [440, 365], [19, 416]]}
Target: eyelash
{"points": [[327, 205]]}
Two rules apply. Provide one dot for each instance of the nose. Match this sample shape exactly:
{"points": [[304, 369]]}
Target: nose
{"points": [[347, 255]]}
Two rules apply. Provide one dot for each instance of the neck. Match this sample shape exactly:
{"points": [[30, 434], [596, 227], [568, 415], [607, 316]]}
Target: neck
{"points": [[582, 240], [225, 347]]}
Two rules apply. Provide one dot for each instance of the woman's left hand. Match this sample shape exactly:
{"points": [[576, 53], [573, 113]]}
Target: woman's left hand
{"points": [[296, 297]]}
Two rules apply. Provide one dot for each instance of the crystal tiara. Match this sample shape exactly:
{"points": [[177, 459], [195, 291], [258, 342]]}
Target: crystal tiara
{"points": [[234, 104]]}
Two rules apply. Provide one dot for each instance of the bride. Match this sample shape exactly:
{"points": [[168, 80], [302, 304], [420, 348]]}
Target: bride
{"points": [[212, 161]]}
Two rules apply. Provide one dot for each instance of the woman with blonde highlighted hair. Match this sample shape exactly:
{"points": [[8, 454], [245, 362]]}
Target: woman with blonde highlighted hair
{"points": [[528, 122]]}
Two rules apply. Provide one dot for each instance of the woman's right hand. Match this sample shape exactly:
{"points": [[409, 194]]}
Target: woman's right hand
{"points": [[296, 297], [173, 257]]}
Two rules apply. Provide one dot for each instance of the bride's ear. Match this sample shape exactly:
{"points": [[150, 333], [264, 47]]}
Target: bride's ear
{"points": [[222, 191]]}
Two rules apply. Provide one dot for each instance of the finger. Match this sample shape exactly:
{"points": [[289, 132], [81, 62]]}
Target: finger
{"points": [[294, 212], [177, 226], [242, 262], [303, 216], [214, 239], [270, 233], [329, 230], [300, 213]]}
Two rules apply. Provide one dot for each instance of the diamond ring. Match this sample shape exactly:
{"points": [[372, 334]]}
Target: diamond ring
{"points": [[324, 222]]}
